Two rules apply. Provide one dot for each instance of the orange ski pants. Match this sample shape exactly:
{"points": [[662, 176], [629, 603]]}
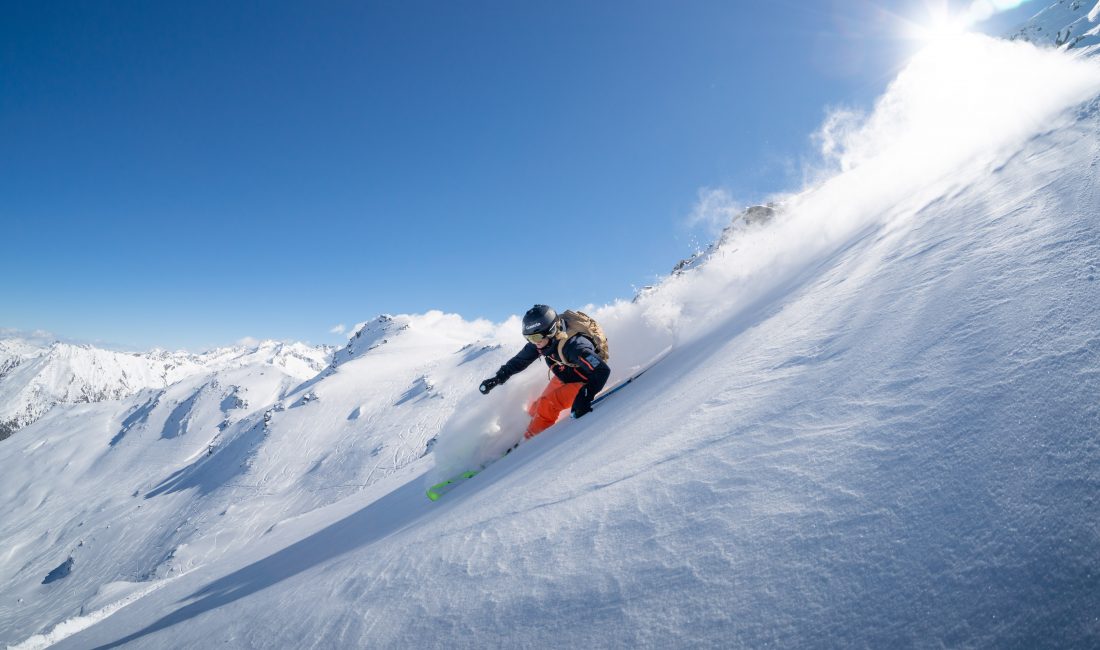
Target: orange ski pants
{"points": [[557, 397]]}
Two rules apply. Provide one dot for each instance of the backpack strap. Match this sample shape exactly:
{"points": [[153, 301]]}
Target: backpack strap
{"points": [[561, 352]]}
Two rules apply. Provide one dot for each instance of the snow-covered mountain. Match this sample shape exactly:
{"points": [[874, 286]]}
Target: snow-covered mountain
{"points": [[1066, 24], [875, 427], [35, 378]]}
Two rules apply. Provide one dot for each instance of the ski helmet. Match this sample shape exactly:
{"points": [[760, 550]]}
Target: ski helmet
{"points": [[540, 321]]}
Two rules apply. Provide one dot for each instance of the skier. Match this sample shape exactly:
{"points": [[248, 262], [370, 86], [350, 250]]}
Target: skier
{"points": [[574, 348]]}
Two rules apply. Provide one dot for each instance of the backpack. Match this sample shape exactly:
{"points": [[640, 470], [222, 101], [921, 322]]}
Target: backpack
{"points": [[578, 322]]}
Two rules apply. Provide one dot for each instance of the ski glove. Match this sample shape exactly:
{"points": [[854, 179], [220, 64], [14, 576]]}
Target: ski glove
{"points": [[491, 383], [582, 404]]}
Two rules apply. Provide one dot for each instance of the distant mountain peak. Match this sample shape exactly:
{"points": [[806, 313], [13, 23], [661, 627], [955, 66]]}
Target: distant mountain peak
{"points": [[35, 377]]}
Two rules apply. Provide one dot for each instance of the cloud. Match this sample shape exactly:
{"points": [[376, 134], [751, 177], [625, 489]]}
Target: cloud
{"points": [[248, 342], [338, 329], [15, 333]]}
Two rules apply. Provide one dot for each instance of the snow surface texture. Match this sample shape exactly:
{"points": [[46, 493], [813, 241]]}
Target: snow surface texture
{"points": [[878, 427]]}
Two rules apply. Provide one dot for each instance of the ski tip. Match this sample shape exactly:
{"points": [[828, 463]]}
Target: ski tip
{"points": [[436, 491]]}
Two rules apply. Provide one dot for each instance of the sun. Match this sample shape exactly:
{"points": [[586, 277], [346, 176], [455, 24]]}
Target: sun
{"points": [[941, 25], [945, 28]]}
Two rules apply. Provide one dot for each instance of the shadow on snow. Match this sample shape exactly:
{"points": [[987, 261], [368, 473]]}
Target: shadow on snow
{"points": [[389, 514]]}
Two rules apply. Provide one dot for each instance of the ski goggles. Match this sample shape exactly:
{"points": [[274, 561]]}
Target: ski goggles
{"points": [[541, 336]]}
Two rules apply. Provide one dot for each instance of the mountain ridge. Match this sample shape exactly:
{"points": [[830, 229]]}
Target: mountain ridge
{"points": [[35, 378]]}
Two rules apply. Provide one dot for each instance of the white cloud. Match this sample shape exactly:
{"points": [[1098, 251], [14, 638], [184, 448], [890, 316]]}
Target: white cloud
{"points": [[338, 329], [12, 332]]}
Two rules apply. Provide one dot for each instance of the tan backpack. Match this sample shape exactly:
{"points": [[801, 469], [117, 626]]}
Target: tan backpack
{"points": [[578, 322]]}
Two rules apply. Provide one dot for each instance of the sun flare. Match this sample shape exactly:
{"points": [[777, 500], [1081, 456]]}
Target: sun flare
{"points": [[941, 23], [943, 27]]}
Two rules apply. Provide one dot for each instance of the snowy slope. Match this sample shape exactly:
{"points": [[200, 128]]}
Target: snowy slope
{"points": [[74, 481], [14, 351], [878, 427], [156, 484], [1066, 24]]}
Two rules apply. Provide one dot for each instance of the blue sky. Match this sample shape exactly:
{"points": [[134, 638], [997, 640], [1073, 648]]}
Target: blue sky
{"points": [[184, 175]]}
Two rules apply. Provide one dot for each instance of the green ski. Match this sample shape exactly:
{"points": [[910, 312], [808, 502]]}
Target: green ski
{"points": [[439, 489]]}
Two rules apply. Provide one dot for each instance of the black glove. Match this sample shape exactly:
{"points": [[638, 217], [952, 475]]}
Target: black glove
{"points": [[582, 403], [491, 383]]}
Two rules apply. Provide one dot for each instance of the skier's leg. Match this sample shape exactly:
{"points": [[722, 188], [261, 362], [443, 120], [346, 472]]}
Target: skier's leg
{"points": [[540, 410], [545, 410]]}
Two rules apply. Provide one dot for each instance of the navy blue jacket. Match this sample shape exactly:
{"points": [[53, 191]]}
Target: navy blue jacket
{"points": [[579, 350]]}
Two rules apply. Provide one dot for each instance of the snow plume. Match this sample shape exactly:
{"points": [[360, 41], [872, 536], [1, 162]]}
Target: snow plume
{"points": [[714, 209], [961, 107], [483, 427], [956, 100], [982, 10]]}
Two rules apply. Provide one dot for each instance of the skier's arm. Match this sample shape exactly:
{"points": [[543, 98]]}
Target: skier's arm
{"points": [[525, 357], [582, 352], [518, 363]]}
